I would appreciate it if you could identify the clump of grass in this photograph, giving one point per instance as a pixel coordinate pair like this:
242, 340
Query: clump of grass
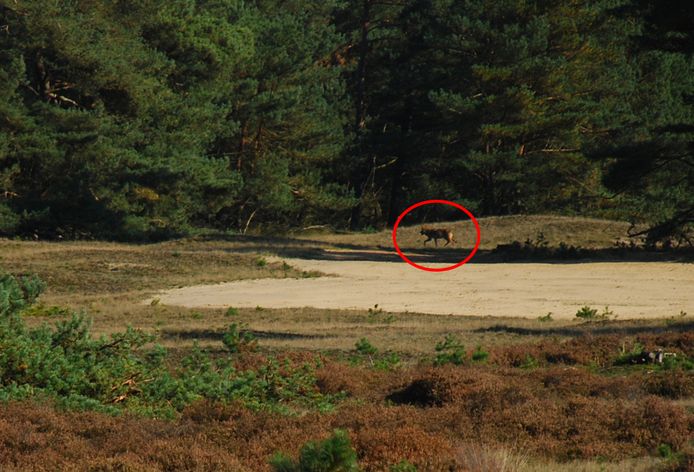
377, 315
231, 311
196, 315
41, 310
545, 318
476, 457
529, 362
261, 262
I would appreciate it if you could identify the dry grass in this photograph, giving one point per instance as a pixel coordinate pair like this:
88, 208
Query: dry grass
77, 272
585, 232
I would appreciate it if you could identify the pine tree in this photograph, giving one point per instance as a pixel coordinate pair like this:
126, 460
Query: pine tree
650, 157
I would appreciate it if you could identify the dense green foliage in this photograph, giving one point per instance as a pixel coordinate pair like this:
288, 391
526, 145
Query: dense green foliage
126, 371
147, 119
335, 454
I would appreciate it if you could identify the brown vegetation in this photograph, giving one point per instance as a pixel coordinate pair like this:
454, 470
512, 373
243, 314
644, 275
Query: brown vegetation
438, 418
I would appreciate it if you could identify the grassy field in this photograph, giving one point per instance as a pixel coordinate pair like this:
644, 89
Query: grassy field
540, 395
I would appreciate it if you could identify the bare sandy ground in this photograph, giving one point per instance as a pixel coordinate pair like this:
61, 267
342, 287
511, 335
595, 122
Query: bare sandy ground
632, 290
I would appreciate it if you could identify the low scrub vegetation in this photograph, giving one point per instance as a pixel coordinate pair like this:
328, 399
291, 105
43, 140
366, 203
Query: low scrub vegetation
127, 372
237, 407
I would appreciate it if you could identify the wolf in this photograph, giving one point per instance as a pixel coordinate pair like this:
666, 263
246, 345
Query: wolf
436, 234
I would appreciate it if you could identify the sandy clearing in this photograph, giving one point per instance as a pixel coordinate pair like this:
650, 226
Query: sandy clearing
631, 289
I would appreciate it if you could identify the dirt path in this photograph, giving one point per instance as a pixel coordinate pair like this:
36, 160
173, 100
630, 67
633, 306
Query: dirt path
630, 289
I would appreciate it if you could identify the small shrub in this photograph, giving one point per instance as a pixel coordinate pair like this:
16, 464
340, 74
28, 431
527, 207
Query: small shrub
450, 351
403, 466
529, 363
237, 338
665, 451
545, 318
363, 346
261, 262
335, 454
587, 313
196, 315
479, 355
388, 362
636, 355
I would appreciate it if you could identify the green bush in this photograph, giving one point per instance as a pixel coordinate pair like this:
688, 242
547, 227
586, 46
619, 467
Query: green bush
403, 466
231, 311
587, 313
363, 346
238, 338
335, 454
111, 374
450, 350
389, 361
480, 355
529, 362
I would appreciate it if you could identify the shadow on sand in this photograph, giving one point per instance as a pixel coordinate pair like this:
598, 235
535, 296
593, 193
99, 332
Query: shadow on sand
217, 335
591, 329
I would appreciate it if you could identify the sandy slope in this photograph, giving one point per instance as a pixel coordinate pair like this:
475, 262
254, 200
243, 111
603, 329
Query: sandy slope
630, 289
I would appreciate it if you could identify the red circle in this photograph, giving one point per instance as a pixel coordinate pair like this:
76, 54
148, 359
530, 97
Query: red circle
443, 202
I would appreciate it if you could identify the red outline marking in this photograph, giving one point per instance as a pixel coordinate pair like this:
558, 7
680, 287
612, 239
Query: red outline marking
443, 202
